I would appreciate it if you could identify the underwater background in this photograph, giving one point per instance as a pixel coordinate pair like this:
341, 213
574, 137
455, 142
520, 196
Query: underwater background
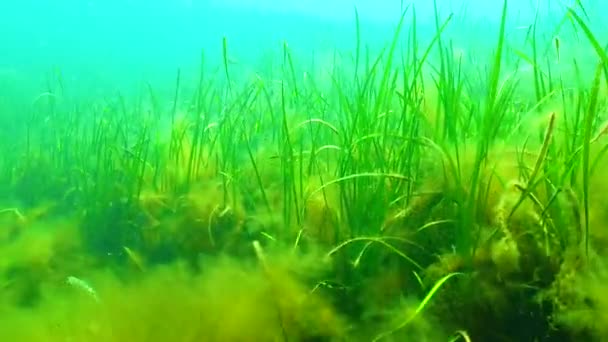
334, 170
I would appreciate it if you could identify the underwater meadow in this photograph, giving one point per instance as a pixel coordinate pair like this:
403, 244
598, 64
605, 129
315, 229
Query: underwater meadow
439, 176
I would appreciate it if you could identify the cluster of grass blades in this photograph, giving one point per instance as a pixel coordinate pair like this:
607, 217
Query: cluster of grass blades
389, 203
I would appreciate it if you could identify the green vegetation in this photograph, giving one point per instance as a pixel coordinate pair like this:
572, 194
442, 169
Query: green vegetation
387, 201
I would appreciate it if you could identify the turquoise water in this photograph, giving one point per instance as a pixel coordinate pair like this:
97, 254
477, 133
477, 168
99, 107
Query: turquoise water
102, 46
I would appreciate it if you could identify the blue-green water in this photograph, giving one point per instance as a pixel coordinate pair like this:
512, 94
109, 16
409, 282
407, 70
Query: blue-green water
100, 47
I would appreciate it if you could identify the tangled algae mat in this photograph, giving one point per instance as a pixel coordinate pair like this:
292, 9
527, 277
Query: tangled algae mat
386, 205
